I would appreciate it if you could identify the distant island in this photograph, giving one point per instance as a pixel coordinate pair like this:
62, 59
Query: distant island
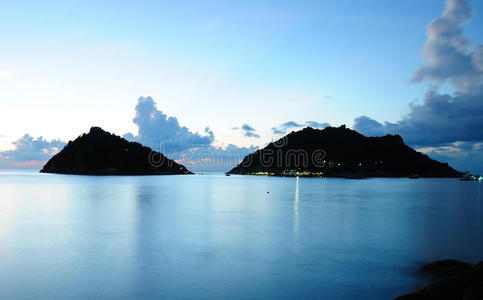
341, 152
102, 153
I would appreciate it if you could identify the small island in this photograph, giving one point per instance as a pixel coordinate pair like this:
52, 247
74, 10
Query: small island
102, 153
341, 152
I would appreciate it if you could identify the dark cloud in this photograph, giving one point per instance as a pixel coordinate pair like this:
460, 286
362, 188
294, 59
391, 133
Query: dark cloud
251, 134
247, 127
285, 127
443, 118
440, 119
369, 127
248, 131
444, 125
157, 130
30, 152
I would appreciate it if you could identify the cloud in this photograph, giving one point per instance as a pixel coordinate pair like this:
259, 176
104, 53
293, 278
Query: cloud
192, 149
465, 156
277, 131
30, 152
442, 118
156, 129
315, 124
291, 124
249, 131
448, 53
247, 127
251, 134
443, 122
368, 126
285, 127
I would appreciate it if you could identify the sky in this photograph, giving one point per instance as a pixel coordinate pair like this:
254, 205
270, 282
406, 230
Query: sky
235, 75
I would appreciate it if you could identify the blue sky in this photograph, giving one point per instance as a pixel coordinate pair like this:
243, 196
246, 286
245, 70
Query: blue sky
68, 65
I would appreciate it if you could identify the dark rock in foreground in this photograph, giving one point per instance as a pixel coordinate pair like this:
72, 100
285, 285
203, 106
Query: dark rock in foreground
446, 268
341, 152
102, 153
460, 281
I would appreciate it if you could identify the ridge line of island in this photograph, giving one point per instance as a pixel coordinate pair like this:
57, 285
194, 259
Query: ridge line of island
342, 153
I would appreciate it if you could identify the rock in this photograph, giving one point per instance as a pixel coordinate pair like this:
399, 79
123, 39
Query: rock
462, 282
446, 268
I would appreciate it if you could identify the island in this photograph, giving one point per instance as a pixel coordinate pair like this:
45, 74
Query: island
341, 152
102, 153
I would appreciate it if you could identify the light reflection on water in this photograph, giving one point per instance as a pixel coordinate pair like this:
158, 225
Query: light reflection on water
133, 237
296, 212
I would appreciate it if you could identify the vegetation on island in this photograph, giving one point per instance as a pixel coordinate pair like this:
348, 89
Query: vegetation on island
102, 153
341, 152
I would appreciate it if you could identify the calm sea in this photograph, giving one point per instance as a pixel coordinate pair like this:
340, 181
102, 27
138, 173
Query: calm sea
237, 237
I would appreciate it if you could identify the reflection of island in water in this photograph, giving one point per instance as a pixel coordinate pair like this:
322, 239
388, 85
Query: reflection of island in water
102, 153
341, 152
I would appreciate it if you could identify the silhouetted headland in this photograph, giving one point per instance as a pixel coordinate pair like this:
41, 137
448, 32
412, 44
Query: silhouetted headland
341, 152
456, 280
102, 153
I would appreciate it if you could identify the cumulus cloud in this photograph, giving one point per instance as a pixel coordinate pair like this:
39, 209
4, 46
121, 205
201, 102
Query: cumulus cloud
443, 123
448, 54
156, 129
30, 152
442, 118
368, 126
285, 127
192, 149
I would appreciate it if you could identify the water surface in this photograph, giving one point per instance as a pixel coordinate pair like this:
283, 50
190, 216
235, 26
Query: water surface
218, 237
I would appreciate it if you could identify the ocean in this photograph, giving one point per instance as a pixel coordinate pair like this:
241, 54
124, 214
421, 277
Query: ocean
229, 237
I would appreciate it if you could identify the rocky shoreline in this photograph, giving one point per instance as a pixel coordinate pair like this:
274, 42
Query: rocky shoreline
453, 280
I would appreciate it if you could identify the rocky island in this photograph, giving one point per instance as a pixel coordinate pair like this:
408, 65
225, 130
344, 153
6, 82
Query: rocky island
102, 153
341, 152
